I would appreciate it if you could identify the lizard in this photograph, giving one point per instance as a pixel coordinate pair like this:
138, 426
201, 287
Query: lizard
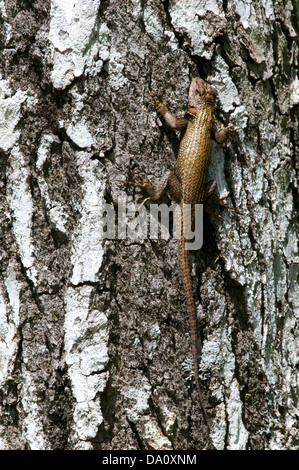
186, 185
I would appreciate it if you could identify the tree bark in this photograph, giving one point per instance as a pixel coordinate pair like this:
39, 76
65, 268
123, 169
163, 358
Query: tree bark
94, 337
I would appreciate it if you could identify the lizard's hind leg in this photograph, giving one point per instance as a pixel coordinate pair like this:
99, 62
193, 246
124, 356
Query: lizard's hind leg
212, 200
168, 184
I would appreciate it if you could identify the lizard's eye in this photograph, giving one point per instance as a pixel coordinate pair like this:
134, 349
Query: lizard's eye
200, 91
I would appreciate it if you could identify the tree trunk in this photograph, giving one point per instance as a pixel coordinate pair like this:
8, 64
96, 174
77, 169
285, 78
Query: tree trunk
95, 346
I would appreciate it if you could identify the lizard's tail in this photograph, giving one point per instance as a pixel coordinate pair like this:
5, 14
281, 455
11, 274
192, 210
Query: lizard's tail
183, 256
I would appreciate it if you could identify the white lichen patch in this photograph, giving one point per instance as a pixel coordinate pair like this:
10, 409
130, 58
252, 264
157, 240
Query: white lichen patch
168, 420
154, 436
226, 89
56, 213
115, 68
260, 49
9, 323
152, 22
137, 400
192, 21
86, 355
21, 207
217, 355
246, 11
10, 114
295, 91
18, 190
77, 38
137, 410
32, 425
237, 433
78, 130
80, 134
243, 9
6, 25
87, 240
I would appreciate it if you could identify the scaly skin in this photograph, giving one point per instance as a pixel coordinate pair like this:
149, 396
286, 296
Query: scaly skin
191, 169
187, 184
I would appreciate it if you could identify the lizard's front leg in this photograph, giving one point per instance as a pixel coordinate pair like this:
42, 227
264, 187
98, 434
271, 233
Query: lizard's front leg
175, 123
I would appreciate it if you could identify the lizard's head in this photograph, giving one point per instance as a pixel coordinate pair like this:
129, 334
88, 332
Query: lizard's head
200, 92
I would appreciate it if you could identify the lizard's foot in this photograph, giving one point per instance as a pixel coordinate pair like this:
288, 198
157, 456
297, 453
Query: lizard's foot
139, 183
160, 107
226, 134
230, 131
168, 185
226, 206
213, 201
223, 198
142, 183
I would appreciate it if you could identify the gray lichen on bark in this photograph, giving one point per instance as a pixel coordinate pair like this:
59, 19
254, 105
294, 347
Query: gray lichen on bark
94, 338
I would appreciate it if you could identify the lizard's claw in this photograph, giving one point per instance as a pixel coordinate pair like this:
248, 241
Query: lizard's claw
226, 134
225, 206
224, 196
145, 185
230, 131
140, 182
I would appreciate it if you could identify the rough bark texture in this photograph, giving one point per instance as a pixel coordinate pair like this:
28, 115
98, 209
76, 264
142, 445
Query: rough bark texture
94, 336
